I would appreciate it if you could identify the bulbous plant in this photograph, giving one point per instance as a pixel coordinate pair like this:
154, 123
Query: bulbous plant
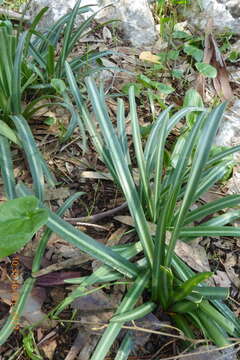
45, 62
29, 64
13, 126
164, 196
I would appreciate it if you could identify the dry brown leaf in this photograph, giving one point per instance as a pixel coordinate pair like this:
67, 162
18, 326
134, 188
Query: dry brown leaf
148, 56
97, 309
221, 279
32, 312
226, 244
193, 254
210, 196
81, 343
56, 194
229, 264
213, 56
96, 175
115, 237
94, 309
49, 348
129, 221
43, 110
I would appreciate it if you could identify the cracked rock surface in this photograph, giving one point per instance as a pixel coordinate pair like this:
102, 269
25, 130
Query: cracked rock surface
136, 19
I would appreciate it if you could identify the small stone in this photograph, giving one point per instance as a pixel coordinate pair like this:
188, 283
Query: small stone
229, 131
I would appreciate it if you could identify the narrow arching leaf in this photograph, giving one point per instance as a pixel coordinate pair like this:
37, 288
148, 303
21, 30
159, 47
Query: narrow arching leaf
16, 79
113, 329
213, 330
199, 161
13, 320
90, 246
32, 153
139, 150
6, 167
222, 154
103, 274
125, 348
122, 170
186, 288
6, 131
121, 126
136, 313
183, 307
224, 219
202, 230
213, 207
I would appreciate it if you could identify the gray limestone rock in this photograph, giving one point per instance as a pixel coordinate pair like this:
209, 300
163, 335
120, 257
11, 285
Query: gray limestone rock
224, 13
229, 131
212, 353
136, 19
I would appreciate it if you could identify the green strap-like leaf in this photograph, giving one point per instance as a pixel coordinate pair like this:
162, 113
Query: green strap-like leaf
122, 170
15, 316
196, 231
199, 162
214, 331
136, 313
144, 183
113, 329
32, 153
125, 348
16, 79
212, 207
186, 288
6, 167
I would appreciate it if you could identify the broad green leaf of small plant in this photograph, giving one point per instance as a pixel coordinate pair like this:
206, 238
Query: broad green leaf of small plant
193, 51
206, 69
58, 85
178, 74
161, 87
164, 89
181, 35
20, 219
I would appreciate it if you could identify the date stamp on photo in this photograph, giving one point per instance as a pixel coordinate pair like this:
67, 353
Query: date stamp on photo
15, 274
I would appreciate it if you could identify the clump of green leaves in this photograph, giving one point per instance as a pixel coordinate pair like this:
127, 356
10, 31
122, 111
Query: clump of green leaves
163, 196
29, 65
166, 13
